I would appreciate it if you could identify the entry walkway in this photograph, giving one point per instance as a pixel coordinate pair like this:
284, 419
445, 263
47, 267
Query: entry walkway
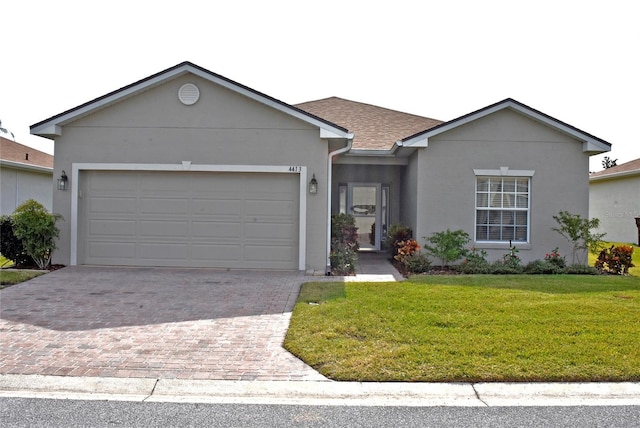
374, 267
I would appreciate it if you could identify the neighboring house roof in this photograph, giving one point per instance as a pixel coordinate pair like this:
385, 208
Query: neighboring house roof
20, 156
623, 170
50, 128
591, 144
374, 128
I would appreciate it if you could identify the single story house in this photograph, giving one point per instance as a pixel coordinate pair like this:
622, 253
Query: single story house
25, 173
614, 198
189, 168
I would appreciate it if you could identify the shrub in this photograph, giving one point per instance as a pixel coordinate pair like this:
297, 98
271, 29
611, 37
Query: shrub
581, 270
542, 267
343, 258
344, 244
499, 267
11, 246
416, 263
556, 259
511, 259
474, 262
578, 231
36, 227
397, 232
448, 246
405, 249
615, 260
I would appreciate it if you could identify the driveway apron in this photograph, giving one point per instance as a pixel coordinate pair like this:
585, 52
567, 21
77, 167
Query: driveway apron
152, 323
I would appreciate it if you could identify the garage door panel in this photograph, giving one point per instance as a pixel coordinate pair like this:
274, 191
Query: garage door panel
101, 204
97, 251
112, 227
226, 252
269, 208
176, 205
163, 250
216, 229
222, 206
162, 184
270, 253
190, 219
273, 232
153, 229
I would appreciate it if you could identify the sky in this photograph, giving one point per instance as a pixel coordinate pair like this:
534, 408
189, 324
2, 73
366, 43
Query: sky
578, 61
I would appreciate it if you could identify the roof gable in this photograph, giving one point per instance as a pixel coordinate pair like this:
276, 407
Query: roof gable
374, 128
52, 127
591, 144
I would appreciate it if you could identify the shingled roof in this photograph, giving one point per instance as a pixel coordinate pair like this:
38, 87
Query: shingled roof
19, 153
375, 128
627, 168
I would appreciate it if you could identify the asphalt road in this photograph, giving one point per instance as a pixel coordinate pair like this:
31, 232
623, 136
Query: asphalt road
28, 412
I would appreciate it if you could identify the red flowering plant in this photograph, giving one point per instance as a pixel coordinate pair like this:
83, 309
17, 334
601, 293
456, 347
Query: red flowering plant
555, 258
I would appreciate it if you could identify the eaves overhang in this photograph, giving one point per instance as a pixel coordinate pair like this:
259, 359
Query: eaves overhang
26, 166
52, 127
615, 175
590, 144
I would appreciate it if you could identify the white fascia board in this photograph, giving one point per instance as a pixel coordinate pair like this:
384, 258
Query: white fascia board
594, 147
615, 175
27, 167
188, 166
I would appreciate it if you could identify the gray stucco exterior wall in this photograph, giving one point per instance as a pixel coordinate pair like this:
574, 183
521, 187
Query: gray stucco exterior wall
446, 179
222, 128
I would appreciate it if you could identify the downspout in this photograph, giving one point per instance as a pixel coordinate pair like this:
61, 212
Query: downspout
329, 191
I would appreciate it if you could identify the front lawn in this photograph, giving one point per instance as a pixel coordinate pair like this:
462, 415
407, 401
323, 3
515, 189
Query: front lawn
11, 277
471, 328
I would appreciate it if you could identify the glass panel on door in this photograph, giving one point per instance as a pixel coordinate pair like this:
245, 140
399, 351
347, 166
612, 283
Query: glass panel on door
363, 205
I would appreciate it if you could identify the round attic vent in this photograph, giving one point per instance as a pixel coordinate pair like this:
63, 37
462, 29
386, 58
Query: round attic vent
188, 94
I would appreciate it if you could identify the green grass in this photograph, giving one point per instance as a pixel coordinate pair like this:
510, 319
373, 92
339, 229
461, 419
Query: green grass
472, 328
12, 277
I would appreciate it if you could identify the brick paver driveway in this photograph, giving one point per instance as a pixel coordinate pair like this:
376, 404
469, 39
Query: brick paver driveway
152, 323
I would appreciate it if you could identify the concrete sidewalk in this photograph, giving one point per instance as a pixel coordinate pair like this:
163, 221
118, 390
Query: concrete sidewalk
321, 392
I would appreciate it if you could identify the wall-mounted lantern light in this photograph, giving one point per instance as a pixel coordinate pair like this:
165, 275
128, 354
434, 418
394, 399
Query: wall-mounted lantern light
313, 185
63, 181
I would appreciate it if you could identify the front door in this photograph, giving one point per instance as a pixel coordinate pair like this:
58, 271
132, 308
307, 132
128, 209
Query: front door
364, 202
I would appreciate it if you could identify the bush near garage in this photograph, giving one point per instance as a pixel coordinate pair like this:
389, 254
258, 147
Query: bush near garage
11, 246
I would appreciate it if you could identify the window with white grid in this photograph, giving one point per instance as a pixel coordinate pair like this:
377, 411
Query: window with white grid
502, 209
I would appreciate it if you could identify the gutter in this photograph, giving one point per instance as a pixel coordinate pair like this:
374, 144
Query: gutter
329, 180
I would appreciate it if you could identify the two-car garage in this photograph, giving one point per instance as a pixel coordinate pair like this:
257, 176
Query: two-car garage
188, 219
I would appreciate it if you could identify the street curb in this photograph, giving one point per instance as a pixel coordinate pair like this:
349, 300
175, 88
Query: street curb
322, 392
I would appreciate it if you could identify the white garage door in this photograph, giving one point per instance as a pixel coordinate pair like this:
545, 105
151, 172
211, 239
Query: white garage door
189, 219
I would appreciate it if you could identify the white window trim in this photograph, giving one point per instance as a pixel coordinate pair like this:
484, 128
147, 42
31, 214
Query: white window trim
188, 166
503, 171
